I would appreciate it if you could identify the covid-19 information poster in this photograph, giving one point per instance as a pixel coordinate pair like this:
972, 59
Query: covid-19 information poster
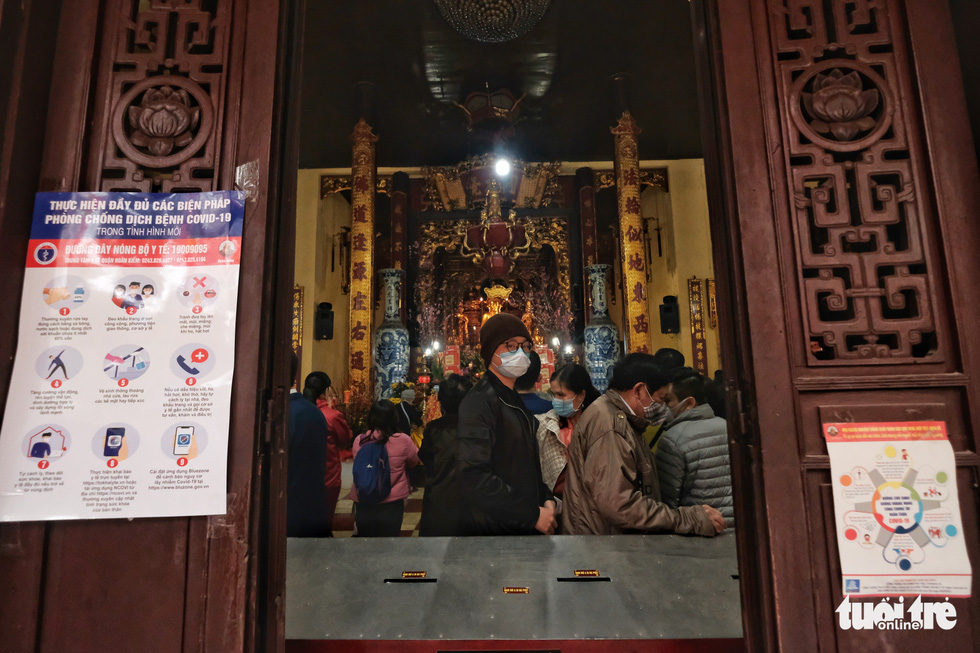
899, 529
120, 395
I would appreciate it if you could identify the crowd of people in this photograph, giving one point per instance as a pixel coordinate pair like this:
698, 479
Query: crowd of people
650, 455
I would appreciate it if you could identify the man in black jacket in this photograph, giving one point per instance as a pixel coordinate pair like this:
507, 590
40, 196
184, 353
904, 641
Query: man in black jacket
440, 503
497, 463
306, 491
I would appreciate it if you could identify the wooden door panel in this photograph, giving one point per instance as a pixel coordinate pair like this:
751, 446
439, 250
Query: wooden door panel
188, 584
858, 240
92, 567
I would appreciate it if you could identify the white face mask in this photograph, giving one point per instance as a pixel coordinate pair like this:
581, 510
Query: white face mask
675, 411
513, 364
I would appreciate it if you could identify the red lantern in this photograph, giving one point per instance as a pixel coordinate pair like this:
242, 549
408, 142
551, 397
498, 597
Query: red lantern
495, 242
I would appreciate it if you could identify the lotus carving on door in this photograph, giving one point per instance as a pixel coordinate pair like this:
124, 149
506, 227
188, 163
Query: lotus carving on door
164, 119
840, 106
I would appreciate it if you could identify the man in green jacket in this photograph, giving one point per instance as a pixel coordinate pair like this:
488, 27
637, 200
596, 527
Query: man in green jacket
612, 484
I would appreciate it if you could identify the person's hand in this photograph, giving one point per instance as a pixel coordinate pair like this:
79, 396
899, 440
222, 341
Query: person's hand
123, 451
716, 518
53, 295
546, 518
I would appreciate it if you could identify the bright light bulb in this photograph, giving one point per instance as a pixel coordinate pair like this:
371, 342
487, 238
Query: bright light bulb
436, 345
555, 341
428, 352
502, 167
568, 349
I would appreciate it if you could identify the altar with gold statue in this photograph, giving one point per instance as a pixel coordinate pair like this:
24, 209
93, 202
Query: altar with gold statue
469, 271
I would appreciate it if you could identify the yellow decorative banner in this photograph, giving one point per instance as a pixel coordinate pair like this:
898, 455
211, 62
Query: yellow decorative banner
362, 254
631, 235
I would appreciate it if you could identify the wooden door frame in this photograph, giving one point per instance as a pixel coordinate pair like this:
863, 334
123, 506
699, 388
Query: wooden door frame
759, 626
752, 532
795, 562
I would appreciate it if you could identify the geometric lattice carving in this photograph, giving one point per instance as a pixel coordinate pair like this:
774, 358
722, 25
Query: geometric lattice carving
858, 223
165, 94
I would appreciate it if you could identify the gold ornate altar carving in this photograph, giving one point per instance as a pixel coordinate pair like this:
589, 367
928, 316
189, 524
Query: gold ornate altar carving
448, 236
496, 241
463, 186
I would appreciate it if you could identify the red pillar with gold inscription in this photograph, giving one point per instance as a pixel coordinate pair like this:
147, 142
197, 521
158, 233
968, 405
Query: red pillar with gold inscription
363, 174
637, 327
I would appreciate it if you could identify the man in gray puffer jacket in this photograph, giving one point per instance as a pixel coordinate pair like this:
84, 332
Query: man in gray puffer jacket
692, 457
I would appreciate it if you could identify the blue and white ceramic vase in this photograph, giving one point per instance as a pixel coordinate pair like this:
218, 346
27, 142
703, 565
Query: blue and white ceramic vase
391, 350
601, 334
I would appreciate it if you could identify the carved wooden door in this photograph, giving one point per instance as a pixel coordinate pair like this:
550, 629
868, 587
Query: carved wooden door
850, 227
151, 96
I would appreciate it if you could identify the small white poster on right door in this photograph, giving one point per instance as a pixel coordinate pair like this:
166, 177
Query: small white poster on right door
899, 529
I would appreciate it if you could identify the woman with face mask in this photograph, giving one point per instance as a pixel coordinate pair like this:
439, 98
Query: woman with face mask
572, 392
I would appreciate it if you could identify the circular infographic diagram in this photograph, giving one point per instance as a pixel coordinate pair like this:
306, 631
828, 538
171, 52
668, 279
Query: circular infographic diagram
899, 506
115, 443
65, 293
192, 362
134, 293
126, 363
58, 365
184, 441
199, 291
46, 444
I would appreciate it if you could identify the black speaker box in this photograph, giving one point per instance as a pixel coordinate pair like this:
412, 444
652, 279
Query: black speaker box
670, 315
323, 322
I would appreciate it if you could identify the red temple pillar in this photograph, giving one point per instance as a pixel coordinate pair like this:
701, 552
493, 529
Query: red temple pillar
633, 257
363, 174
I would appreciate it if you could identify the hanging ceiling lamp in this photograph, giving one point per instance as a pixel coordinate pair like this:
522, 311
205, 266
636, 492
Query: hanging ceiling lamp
492, 21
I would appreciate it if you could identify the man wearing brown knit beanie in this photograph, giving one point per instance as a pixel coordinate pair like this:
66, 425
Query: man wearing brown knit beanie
497, 462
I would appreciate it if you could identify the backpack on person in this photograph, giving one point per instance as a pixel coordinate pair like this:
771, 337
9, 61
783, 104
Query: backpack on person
372, 472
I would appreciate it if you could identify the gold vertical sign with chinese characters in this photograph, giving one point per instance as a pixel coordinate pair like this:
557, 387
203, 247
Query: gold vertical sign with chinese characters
297, 329
631, 235
699, 345
362, 254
